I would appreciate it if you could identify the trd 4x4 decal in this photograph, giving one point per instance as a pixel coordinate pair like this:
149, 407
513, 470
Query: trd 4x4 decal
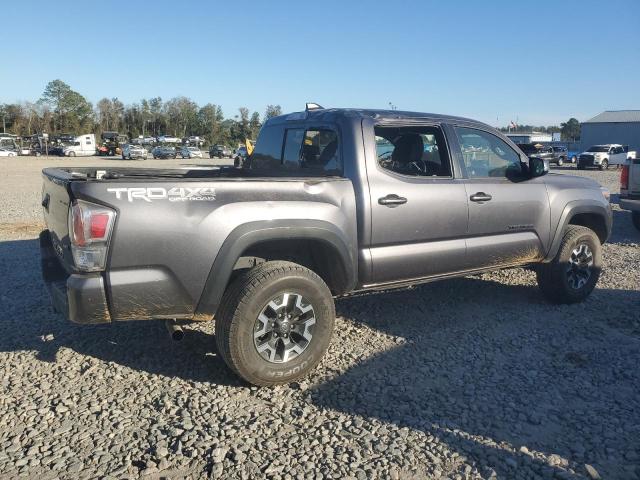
175, 194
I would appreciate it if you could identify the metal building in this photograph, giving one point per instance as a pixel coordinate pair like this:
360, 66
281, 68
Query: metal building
612, 126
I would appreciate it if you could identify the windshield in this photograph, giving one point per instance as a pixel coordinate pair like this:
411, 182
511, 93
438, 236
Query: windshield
598, 148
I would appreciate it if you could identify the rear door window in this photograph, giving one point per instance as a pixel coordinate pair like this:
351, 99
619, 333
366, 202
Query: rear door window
312, 151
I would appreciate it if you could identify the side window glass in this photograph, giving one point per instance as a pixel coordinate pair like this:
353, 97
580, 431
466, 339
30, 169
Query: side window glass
268, 148
320, 150
292, 148
414, 151
485, 155
312, 150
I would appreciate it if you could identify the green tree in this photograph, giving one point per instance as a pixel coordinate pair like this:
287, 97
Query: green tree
210, 120
254, 125
182, 116
272, 111
240, 129
71, 111
570, 130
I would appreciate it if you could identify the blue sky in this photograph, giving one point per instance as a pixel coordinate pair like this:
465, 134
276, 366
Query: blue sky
540, 62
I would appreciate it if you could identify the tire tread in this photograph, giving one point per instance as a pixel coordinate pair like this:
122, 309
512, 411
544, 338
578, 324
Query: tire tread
237, 295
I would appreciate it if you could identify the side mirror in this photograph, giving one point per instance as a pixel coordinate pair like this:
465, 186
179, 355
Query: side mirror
538, 167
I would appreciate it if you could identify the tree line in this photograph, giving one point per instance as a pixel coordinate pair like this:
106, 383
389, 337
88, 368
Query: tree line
60, 110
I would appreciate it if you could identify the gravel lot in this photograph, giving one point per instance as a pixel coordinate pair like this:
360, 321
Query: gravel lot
469, 378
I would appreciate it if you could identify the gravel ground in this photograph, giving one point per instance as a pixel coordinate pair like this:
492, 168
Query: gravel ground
469, 378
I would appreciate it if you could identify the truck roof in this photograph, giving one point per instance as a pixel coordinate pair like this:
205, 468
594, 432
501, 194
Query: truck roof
332, 114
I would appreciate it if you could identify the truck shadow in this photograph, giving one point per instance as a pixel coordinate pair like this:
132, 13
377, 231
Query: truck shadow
623, 230
473, 362
479, 368
30, 323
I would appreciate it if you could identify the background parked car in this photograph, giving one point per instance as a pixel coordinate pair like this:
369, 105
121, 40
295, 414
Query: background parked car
7, 153
220, 151
602, 156
189, 152
560, 155
536, 150
572, 155
130, 152
163, 152
240, 156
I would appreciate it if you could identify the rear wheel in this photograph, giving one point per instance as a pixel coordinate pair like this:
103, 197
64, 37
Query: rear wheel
635, 218
275, 323
72, 154
574, 159
572, 275
560, 162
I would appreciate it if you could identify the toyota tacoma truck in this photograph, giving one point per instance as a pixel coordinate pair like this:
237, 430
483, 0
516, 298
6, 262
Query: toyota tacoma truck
331, 203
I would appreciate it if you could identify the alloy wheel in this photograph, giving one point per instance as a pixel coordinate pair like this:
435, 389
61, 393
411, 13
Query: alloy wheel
579, 267
284, 328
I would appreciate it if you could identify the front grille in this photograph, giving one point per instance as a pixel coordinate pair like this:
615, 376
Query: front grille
586, 159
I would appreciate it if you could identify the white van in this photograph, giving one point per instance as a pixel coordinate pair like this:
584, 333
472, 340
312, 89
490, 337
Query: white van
82, 146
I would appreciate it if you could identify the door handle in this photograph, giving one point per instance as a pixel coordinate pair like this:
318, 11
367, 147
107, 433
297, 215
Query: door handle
392, 200
480, 197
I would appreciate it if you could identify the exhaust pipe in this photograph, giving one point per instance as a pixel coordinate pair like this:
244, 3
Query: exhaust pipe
175, 331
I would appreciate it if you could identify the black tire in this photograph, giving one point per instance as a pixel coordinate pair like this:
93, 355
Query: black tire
574, 159
560, 162
72, 154
604, 165
635, 219
554, 277
236, 162
123, 157
248, 297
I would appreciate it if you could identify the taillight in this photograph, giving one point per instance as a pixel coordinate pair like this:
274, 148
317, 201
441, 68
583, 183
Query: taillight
90, 228
624, 178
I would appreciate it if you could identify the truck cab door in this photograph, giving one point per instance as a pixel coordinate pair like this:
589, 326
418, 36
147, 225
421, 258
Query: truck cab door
418, 206
509, 216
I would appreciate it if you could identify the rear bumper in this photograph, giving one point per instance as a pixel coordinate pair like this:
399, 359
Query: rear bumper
632, 204
79, 297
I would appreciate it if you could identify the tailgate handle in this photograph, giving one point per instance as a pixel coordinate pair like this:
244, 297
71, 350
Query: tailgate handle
45, 202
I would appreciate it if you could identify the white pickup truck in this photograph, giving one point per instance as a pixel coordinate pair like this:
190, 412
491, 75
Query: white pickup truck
602, 156
630, 189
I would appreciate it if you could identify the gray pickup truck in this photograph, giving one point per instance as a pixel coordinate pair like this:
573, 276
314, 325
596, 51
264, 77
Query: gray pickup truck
331, 203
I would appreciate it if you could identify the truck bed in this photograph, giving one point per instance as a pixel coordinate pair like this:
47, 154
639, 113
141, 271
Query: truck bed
171, 225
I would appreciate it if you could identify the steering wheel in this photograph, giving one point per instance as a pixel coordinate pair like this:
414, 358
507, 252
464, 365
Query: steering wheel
422, 170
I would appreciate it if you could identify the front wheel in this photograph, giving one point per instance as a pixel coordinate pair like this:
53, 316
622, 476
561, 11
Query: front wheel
574, 159
560, 162
572, 275
275, 323
604, 165
635, 218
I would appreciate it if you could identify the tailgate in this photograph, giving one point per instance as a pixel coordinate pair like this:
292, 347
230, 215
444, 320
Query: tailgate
56, 198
